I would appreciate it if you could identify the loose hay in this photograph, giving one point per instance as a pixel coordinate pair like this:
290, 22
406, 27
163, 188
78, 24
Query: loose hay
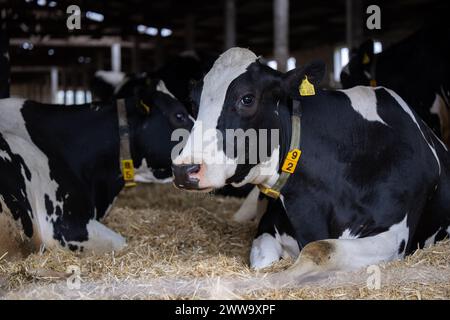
185, 246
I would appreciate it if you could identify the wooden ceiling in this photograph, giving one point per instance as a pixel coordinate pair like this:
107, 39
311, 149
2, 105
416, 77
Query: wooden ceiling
312, 23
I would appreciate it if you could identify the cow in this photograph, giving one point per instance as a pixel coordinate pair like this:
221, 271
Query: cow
179, 74
361, 177
62, 167
417, 68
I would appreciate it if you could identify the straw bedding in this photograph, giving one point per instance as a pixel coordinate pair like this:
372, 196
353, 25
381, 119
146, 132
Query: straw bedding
184, 245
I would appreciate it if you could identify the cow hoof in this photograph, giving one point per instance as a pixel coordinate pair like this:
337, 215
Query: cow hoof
265, 251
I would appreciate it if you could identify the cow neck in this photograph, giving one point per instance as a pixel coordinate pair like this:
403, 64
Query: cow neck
126, 161
289, 148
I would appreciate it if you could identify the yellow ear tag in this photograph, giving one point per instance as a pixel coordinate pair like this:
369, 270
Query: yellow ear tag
373, 82
128, 172
366, 59
306, 88
290, 163
146, 107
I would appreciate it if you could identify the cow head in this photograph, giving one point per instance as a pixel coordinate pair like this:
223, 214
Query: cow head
235, 139
358, 72
157, 115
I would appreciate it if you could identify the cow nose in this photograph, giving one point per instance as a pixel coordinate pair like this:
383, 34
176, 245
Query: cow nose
183, 175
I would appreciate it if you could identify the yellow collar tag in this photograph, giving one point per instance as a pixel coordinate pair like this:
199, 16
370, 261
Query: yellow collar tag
269, 192
290, 163
306, 88
128, 173
373, 82
366, 59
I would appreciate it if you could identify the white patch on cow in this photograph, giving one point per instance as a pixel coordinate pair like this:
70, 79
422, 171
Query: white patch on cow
5, 156
101, 239
430, 241
352, 254
364, 101
265, 173
217, 166
251, 208
161, 87
267, 249
439, 108
347, 234
406, 108
448, 230
145, 174
114, 78
289, 245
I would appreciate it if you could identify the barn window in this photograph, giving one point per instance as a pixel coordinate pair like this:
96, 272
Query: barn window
342, 56
291, 63
74, 97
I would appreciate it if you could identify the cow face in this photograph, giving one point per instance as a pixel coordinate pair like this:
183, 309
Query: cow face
158, 115
358, 72
235, 139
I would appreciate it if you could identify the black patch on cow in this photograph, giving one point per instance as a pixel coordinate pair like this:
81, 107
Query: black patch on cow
401, 248
49, 205
13, 187
73, 247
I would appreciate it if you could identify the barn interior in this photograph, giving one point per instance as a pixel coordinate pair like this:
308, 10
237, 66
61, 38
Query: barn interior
49, 59
53, 60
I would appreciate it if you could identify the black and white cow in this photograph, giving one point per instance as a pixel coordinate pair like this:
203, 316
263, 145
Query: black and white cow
60, 165
417, 68
372, 183
179, 74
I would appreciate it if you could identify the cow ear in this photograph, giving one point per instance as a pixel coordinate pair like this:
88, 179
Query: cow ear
365, 52
304, 80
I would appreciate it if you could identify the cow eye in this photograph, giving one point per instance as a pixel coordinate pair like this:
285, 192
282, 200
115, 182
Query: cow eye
180, 116
247, 99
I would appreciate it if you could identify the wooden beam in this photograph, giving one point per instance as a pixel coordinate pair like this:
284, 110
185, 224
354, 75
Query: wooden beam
230, 24
281, 33
81, 41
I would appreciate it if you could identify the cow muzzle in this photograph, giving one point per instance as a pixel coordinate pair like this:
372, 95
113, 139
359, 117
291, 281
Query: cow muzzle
186, 176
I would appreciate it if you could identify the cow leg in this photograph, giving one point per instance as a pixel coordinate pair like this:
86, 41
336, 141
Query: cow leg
79, 236
321, 257
102, 239
252, 207
275, 238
